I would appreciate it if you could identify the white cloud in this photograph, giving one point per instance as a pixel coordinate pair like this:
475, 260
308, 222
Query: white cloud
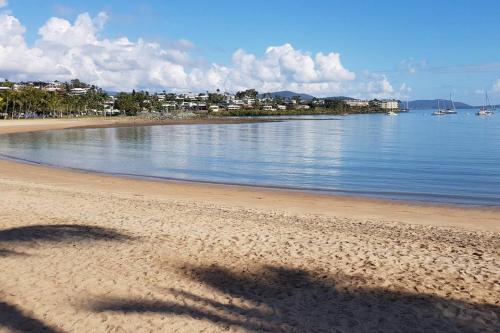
412, 66
66, 50
375, 85
496, 86
3, 3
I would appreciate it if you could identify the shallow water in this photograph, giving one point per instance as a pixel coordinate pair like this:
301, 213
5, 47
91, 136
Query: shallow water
414, 156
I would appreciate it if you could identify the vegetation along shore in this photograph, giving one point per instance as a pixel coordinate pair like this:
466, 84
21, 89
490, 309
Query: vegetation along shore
24, 100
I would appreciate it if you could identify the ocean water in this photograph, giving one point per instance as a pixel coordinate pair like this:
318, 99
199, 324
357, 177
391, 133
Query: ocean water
415, 156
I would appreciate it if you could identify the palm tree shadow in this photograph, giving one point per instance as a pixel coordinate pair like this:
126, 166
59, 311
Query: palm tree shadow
6, 253
59, 233
294, 300
13, 319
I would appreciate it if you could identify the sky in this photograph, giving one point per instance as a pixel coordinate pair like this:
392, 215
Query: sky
413, 49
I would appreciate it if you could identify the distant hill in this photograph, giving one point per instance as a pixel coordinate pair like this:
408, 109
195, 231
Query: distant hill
286, 94
427, 104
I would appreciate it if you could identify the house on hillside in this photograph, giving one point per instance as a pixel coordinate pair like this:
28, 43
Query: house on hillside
78, 91
53, 87
233, 107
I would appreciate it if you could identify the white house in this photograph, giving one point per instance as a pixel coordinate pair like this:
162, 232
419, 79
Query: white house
213, 108
78, 91
249, 101
281, 107
267, 108
233, 107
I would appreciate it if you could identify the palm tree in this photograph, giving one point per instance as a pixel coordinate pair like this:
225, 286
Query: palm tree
54, 102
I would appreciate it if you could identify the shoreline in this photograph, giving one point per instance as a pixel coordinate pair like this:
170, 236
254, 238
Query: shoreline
11, 126
373, 196
474, 217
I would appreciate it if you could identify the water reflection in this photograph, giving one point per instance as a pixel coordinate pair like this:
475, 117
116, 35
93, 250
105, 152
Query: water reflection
413, 156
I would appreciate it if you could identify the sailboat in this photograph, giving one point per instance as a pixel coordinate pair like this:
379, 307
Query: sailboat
451, 110
405, 109
486, 109
439, 112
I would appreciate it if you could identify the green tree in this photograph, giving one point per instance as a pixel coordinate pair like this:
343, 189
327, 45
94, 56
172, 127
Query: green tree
127, 103
249, 93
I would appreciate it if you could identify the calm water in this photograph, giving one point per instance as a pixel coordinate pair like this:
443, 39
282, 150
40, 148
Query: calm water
415, 156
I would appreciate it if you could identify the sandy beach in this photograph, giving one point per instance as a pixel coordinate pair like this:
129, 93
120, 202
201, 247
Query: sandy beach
83, 252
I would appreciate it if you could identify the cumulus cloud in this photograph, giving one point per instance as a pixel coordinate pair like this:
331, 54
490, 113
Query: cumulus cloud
375, 85
496, 86
66, 50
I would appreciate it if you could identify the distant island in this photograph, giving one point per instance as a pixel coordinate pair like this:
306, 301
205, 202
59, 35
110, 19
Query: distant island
432, 104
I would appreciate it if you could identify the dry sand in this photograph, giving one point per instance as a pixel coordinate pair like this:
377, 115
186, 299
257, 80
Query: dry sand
84, 252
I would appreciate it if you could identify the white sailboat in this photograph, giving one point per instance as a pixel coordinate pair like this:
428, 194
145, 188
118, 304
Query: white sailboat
486, 109
451, 110
405, 109
439, 112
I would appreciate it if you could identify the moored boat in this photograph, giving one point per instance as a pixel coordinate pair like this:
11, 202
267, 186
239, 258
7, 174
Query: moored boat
439, 112
486, 109
451, 110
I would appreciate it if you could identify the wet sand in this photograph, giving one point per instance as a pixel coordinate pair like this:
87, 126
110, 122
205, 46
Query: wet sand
82, 252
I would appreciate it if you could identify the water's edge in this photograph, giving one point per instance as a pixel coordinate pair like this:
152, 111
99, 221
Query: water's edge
328, 192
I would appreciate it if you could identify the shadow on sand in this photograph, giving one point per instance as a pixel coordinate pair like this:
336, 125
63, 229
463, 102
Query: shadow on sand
59, 233
293, 300
11, 317
14, 320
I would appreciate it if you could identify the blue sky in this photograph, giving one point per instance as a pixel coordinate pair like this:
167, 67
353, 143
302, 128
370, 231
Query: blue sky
432, 47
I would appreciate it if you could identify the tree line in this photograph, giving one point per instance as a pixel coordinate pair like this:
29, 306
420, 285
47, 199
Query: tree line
33, 101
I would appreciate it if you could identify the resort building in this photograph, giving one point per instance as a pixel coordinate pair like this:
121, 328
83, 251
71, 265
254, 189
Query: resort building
389, 104
267, 108
213, 108
356, 103
233, 107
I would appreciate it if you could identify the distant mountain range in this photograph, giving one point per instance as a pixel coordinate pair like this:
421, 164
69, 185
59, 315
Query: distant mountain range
417, 104
427, 104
